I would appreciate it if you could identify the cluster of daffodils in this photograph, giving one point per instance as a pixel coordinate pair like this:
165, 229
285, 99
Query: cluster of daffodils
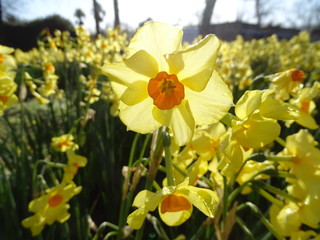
167, 88
240, 61
7, 74
52, 205
303, 162
162, 84
61, 48
215, 135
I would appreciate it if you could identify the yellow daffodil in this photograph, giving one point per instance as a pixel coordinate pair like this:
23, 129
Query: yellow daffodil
161, 84
249, 170
305, 156
175, 204
308, 194
7, 62
305, 105
63, 143
50, 207
74, 162
287, 83
7, 96
206, 140
285, 220
255, 127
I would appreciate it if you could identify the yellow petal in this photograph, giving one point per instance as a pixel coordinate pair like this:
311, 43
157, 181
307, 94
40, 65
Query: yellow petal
139, 117
136, 218
258, 132
276, 109
307, 121
204, 199
211, 104
121, 76
248, 103
135, 93
194, 65
179, 119
158, 39
35, 223
175, 218
142, 197
143, 63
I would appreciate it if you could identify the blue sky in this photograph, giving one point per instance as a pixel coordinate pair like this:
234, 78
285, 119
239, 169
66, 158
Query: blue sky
132, 12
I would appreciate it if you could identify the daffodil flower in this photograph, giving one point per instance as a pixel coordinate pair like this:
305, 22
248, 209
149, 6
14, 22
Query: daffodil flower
74, 162
7, 96
161, 84
305, 105
63, 143
287, 83
175, 204
50, 207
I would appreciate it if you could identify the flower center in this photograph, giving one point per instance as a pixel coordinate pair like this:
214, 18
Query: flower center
297, 75
1, 58
65, 143
165, 90
174, 203
305, 106
55, 200
49, 68
4, 99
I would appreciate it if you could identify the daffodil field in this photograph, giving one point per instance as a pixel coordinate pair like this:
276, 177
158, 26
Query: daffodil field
154, 138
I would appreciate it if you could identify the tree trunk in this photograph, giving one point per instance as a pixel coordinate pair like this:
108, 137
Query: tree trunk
96, 16
258, 12
206, 17
116, 14
1, 12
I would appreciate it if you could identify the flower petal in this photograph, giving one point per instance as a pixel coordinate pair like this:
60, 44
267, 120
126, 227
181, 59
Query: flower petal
257, 131
136, 218
175, 218
121, 76
204, 199
248, 103
142, 197
139, 117
195, 64
143, 63
276, 109
135, 93
211, 104
307, 121
179, 119
157, 39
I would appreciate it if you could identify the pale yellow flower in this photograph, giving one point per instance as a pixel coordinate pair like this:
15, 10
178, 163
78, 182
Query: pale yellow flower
161, 84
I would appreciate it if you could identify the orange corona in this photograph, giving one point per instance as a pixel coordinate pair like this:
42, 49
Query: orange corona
166, 90
55, 200
175, 203
297, 75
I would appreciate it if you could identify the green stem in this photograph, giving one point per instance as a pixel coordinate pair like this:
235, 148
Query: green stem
280, 158
281, 142
269, 197
262, 218
102, 227
168, 158
126, 202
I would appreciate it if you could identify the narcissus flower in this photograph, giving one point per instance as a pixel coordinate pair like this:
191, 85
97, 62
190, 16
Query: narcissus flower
175, 204
287, 83
63, 143
161, 84
50, 207
305, 104
74, 162
7, 96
